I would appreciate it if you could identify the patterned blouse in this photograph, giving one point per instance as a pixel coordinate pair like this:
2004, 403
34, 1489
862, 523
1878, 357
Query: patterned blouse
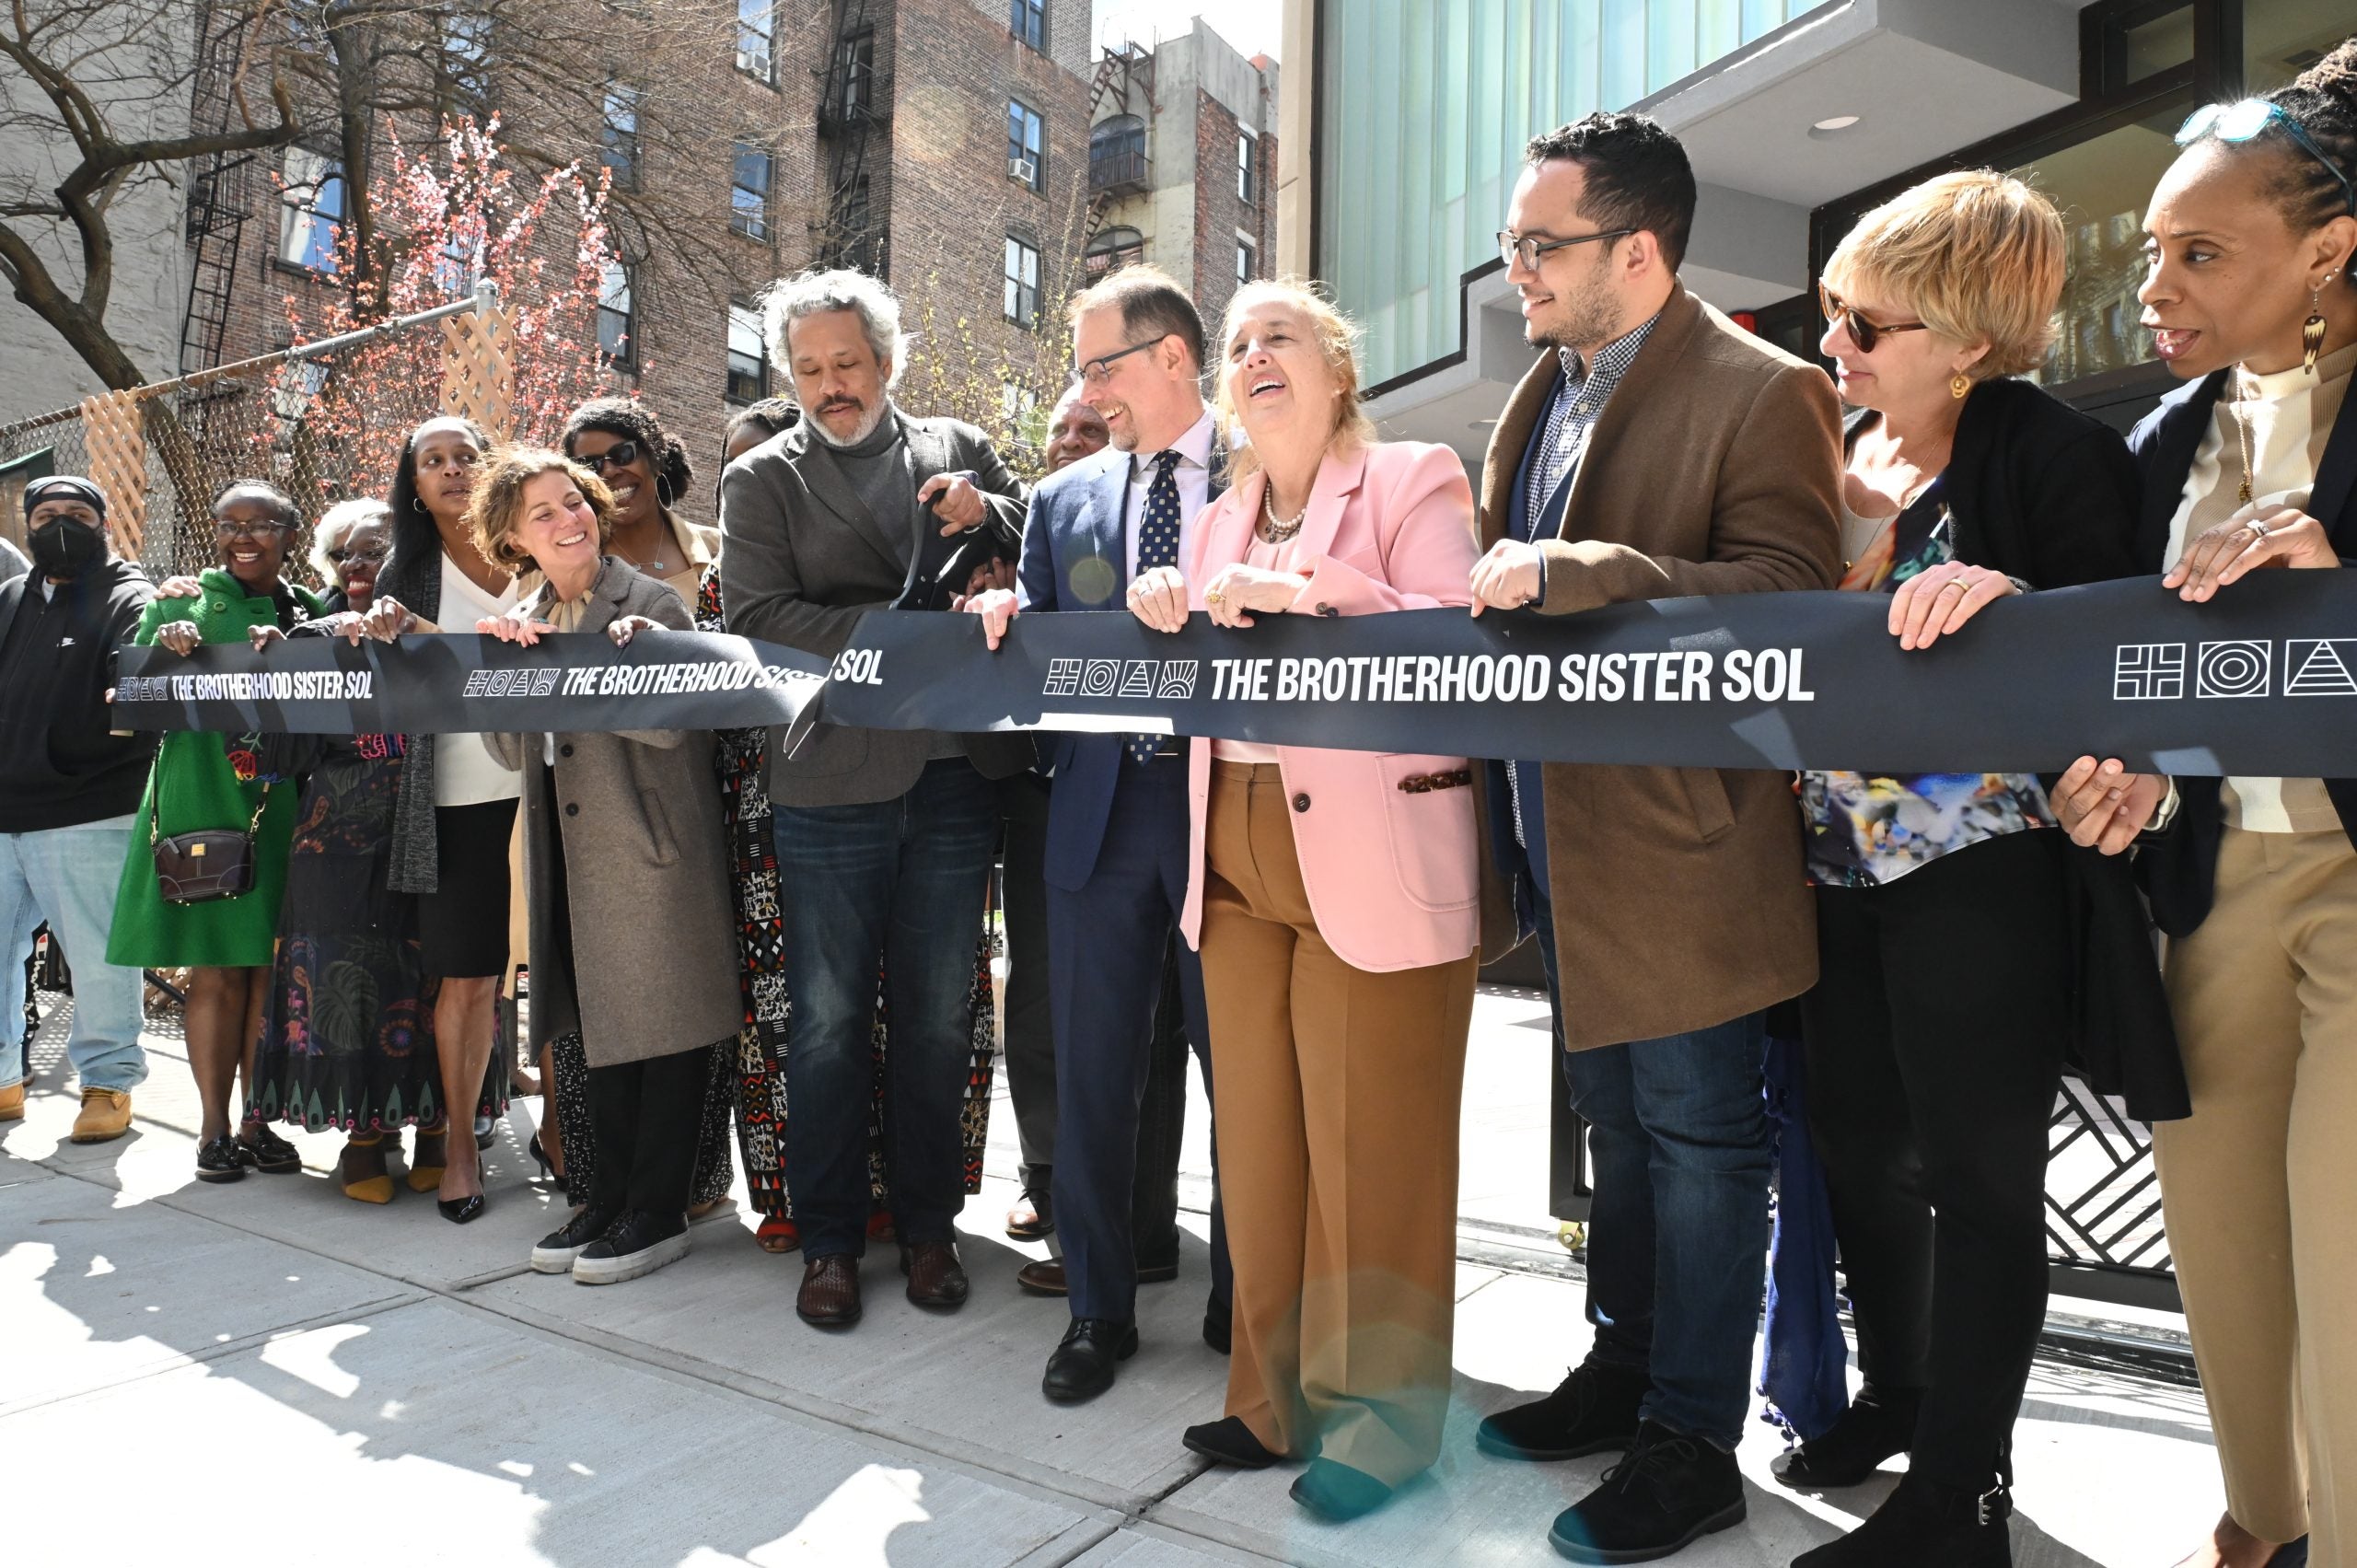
1866, 830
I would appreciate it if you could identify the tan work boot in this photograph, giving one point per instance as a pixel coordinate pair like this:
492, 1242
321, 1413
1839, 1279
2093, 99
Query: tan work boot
106, 1113
12, 1103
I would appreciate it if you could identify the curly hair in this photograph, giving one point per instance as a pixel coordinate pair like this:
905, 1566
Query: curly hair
627, 419
2323, 98
494, 512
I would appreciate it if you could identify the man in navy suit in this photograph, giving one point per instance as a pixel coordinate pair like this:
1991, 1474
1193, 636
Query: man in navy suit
1117, 853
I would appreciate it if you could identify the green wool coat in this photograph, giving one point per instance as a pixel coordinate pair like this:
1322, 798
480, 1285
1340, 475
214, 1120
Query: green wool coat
194, 784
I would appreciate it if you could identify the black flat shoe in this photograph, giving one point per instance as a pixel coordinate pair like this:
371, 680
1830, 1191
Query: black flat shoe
1082, 1366
267, 1151
1591, 1410
558, 1247
1338, 1493
461, 1211
1228, 1441
1925, 1525
1669, 1493
223, 1160
1876, 1428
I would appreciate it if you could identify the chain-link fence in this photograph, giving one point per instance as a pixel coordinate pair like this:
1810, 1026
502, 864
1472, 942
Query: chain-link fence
163, 452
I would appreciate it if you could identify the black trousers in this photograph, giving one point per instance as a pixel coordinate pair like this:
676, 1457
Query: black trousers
645, 1116
1935, 1040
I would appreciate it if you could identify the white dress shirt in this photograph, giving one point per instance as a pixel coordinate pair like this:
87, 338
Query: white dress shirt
1194, 479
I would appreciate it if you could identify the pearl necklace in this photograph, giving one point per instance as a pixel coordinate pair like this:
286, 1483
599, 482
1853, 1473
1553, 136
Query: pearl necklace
1274, 529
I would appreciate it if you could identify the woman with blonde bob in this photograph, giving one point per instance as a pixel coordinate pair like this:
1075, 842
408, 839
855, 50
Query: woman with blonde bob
1956, 928
634, 941
1335, 899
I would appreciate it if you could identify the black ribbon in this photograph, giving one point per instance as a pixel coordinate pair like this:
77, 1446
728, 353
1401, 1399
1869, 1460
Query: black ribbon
2261, 680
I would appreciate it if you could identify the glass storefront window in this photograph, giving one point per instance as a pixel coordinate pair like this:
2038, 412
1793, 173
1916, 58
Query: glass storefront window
2101, 187
2150, 47
2283, 37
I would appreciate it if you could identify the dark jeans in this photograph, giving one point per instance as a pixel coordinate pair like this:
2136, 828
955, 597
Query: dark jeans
899, 883
1677, 1232
1029, 1059
646, 1117
1935, 1038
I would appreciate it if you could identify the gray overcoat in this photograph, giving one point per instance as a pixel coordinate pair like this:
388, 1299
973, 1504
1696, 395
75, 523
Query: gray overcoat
653, 934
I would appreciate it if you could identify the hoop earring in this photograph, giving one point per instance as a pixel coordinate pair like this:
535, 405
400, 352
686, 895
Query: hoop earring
419, 507
2312, 329
1959, 386
663, 492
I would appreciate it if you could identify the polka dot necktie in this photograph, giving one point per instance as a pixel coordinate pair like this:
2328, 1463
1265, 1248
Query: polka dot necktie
1157, 546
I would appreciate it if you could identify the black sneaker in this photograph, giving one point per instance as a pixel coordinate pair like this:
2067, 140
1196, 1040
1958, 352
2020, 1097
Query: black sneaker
223, 1160
1669, 1494
267, 1151
1592, 1409
1878, 1425
1926, 1524
558, 1247
637, 1243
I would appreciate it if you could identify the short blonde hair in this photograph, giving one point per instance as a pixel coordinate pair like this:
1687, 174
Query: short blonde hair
336, 524
1975, 255
495, 510
1337, 339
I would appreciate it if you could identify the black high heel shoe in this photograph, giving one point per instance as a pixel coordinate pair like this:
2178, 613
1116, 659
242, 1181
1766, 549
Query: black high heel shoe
459, 1211
539, 1157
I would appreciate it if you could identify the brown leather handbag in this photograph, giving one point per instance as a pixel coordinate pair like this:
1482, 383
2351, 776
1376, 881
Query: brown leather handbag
213, 863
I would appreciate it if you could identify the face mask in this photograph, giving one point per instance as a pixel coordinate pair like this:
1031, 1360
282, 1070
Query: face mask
62, 548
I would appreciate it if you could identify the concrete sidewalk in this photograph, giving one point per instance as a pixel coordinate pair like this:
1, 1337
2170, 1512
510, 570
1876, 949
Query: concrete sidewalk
266, 1372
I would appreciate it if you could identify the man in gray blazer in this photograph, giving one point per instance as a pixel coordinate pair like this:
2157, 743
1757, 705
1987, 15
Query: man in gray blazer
884, 837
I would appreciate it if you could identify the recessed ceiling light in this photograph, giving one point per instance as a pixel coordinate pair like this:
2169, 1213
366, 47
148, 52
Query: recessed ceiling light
1832, 124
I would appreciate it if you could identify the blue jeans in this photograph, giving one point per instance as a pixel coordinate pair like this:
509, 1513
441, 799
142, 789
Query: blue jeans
1678, 1231
902, 882
68, 876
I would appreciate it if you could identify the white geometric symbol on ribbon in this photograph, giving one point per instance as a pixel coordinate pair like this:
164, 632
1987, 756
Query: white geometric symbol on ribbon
2143, 672
2320, 666
2237, 667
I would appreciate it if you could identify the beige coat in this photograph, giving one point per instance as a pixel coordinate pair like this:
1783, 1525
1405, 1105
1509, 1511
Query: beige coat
653, 934
1715, 468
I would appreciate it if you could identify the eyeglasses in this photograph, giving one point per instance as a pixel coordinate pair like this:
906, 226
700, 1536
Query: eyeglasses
620, 455
224, 529
364, 557
1094, 372
1529, 248
2241, 122
1863, 332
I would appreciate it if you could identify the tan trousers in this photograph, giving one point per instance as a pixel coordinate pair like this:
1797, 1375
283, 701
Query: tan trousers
1339, 1094
2259, 1185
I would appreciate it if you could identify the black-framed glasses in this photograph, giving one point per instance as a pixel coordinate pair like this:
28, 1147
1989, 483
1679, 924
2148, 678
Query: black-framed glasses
620, 455
1863, 332
2243, 121
1529, 247
224, 527
1093, 372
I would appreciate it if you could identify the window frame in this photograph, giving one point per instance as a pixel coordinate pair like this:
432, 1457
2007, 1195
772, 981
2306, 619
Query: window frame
1023, 121
751, 220
1034, 13
744, 312
1248, 167
626, 356
1022, 253
619, 145
294, 208
761, 25
1248, 262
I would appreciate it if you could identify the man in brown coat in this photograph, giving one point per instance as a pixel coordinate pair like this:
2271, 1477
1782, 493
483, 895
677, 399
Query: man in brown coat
1654, 450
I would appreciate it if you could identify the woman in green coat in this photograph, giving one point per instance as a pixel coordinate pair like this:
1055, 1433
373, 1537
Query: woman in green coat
204, 780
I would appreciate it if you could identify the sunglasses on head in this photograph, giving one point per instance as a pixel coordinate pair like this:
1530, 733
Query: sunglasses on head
620, 455
1863, 332
2239, 123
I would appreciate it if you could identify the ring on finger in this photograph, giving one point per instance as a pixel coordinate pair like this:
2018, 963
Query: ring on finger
2257, 528
1212, 596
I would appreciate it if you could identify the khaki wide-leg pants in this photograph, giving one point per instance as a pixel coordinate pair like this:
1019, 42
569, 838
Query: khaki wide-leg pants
1339, 1096
2259, 1185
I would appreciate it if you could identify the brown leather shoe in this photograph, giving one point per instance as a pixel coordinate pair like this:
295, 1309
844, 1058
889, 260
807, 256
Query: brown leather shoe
1046, 1276
829, 1295
12, 1103
106, 1114
935, 1277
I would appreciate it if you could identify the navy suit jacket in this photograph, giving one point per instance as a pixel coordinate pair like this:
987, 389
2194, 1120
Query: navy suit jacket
1524, 865
2179, 869
1075, 556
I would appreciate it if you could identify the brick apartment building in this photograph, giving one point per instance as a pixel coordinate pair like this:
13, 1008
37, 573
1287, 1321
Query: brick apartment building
977, 154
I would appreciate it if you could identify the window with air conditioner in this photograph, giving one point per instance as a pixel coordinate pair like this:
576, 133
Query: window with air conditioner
1027, 145
757, 38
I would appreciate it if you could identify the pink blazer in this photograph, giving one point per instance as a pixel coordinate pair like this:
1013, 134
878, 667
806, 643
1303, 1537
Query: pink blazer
1392, 876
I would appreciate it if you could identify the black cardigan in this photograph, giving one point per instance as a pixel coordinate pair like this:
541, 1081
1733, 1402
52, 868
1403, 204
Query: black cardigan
2179, 867
2043, 492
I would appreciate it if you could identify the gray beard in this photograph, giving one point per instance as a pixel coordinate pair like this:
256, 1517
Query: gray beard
874, 417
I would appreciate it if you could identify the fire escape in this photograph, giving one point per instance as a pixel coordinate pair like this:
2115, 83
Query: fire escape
1118, 167
219, 191
854, 103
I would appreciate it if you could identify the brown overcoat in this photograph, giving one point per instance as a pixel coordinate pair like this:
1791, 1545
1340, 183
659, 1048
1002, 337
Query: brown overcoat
1715, 468
653, 933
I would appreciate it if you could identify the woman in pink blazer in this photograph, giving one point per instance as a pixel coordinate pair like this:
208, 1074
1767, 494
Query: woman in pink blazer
1335, 899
